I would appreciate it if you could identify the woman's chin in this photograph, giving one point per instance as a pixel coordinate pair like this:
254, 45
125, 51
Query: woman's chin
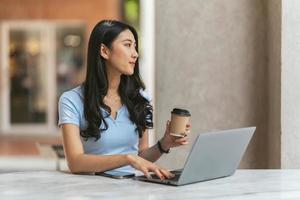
128, 72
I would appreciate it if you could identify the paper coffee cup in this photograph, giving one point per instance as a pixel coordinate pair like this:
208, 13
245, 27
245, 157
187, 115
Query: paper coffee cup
179, 120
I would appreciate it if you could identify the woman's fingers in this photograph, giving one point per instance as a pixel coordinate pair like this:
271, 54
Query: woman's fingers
146, 172
163, 173
145, 167
168, 126
166, 173
159, 174
182, 141
188, 128
168, 123
179, 140
154, 168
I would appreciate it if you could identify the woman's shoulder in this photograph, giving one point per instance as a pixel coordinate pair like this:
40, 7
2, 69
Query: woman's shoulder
70, 107
146, 95
74, 94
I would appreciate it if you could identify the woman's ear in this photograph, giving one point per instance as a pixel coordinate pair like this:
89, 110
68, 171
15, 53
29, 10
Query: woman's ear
104, 51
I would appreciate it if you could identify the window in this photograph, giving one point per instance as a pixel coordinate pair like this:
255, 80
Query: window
39, 60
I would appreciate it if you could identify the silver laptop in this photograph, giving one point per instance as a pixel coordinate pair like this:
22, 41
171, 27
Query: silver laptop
213, 155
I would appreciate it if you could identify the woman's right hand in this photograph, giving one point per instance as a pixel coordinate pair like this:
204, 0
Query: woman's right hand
145, 166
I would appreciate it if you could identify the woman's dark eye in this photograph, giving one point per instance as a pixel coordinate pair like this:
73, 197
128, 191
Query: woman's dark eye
128, 45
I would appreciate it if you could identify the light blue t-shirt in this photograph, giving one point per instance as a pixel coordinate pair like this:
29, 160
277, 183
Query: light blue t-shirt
120, 137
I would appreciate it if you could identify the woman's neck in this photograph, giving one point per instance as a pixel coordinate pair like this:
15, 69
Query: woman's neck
114, 78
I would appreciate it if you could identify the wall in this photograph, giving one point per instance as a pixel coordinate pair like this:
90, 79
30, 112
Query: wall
274, 82
211, 59
90, 11
290, 87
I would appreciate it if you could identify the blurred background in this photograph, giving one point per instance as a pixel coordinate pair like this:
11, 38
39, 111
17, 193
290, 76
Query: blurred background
232, 63
43, 53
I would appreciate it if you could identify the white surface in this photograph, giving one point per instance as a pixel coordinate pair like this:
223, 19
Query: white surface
290, 108
147, 54
244, 184
31, 163
24, 163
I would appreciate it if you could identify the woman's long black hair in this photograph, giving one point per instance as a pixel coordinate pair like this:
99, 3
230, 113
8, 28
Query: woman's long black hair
96, 84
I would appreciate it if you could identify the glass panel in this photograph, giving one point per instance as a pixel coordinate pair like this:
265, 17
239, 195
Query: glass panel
70, 43
69, 54
131, 15
28, 101
131, 12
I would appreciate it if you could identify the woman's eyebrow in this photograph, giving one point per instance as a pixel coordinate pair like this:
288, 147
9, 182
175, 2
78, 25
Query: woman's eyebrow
129, 40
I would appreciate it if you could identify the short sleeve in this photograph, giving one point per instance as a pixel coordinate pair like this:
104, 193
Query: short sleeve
67, 111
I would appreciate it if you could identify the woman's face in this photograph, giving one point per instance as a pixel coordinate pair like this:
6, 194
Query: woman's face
123, 55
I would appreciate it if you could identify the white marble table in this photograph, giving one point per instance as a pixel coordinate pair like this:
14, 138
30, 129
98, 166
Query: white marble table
244, 184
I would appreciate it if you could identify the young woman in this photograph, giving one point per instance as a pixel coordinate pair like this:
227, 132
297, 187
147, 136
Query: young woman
105, 120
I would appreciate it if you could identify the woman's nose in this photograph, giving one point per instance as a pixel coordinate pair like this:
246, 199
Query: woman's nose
135, 54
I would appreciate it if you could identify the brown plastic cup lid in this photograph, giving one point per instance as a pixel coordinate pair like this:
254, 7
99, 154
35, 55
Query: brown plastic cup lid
182, 112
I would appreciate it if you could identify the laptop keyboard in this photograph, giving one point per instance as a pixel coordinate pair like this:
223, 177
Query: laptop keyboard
175, 178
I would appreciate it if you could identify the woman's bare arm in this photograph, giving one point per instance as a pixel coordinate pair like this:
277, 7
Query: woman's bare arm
152, 154
79, 162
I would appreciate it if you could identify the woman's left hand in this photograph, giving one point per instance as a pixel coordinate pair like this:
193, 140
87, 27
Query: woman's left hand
168, 141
